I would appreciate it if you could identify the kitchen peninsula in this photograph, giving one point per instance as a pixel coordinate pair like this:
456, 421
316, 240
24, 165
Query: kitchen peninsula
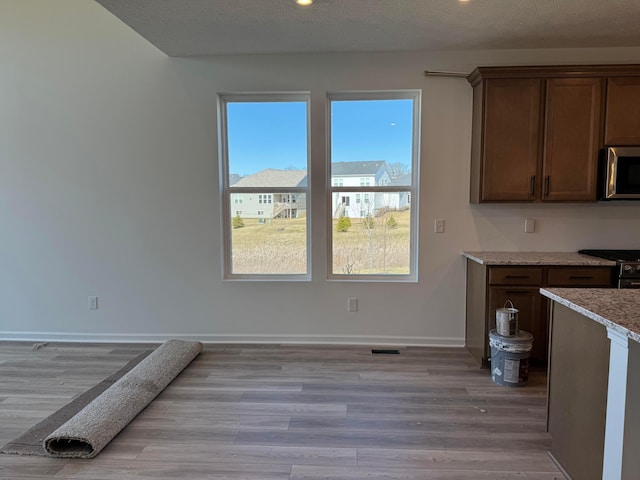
594, 386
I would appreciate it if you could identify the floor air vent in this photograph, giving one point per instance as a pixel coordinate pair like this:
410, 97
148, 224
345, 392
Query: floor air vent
383, 351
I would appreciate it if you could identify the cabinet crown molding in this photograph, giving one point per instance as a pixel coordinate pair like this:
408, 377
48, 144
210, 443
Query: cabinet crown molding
556, 71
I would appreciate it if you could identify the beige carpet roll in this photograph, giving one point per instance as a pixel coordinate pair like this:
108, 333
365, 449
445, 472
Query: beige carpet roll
93, 427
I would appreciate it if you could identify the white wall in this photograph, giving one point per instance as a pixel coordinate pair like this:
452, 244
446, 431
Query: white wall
108, 187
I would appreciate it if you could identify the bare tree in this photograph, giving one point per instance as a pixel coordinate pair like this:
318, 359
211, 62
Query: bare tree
368, 230
398, 169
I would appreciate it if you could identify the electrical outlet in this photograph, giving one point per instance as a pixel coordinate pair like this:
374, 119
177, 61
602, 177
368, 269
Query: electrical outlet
529, 225
352, 304
438, 225
93, 303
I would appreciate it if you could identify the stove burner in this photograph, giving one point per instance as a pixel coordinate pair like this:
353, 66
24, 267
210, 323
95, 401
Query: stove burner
617, 255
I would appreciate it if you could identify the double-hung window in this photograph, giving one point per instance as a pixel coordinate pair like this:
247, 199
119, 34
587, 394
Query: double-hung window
264, 163
374, 148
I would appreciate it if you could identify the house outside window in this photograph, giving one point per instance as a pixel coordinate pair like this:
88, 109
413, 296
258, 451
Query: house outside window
264, 158
384, 246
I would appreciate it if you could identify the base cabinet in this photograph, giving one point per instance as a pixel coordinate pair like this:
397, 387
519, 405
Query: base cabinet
490, 286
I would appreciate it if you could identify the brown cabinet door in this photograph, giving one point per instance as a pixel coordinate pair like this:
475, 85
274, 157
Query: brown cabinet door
572, 139
622, 119
531, 316
511, 140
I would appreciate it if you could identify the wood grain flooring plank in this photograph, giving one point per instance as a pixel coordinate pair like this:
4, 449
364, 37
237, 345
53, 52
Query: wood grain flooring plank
124, 449
201, 397
456, 459
399, 400
344, 439
212, 420
16, 466
530, 442
176, 434
472, 410
216, 385
252, 454
302, 472
101, 469
384, 389
543, 476
250, 375
251, 408
440, 424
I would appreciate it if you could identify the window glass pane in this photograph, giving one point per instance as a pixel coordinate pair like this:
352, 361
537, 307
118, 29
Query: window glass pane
372, 149
269, 235
265, 154
371, 233
371, 141
267, 144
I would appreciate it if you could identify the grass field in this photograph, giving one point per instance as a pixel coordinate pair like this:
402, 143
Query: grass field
280, 246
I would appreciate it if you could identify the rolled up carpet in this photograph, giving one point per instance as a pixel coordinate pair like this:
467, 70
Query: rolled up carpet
93, 427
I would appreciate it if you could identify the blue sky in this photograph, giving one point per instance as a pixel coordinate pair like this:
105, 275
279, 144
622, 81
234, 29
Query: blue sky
273, 134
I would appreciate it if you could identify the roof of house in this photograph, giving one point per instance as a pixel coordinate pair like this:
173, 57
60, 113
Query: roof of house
272, 177
356, 168
234, 178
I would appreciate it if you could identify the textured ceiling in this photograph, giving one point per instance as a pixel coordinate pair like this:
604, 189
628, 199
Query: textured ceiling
222, 27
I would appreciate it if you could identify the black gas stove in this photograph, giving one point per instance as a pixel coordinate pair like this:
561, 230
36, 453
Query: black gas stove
628, 265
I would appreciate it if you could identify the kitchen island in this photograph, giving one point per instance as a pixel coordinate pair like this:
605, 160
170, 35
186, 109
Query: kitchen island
594, 386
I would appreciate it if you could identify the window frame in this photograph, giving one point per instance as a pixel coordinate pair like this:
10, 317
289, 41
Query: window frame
412, 190
227, 190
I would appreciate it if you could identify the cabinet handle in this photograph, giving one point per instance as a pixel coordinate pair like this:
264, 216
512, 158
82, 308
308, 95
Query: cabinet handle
579, 277
532, 186
547, 185
516, 276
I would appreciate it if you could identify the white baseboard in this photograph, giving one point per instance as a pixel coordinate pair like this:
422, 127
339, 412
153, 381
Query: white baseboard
233, 338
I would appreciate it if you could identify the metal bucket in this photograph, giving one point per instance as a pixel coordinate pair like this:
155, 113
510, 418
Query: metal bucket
507, 320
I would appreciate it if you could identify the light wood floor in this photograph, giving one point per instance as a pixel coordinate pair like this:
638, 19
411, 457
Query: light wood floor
266, 412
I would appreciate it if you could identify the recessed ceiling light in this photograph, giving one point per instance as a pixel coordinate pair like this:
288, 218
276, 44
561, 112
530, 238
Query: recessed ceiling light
304, 3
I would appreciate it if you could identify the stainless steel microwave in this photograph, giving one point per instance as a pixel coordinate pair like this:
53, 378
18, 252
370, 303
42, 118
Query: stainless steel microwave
620, 177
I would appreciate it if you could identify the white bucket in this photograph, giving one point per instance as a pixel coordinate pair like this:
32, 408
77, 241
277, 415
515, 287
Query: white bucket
507, 320
510, 358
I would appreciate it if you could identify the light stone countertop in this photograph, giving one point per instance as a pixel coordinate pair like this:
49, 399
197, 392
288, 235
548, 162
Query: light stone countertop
568, 259
615, 309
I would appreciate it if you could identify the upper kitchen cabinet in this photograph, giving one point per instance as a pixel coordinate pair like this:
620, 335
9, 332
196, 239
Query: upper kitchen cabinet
506, 139
536, 135
622, 119
571, 139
